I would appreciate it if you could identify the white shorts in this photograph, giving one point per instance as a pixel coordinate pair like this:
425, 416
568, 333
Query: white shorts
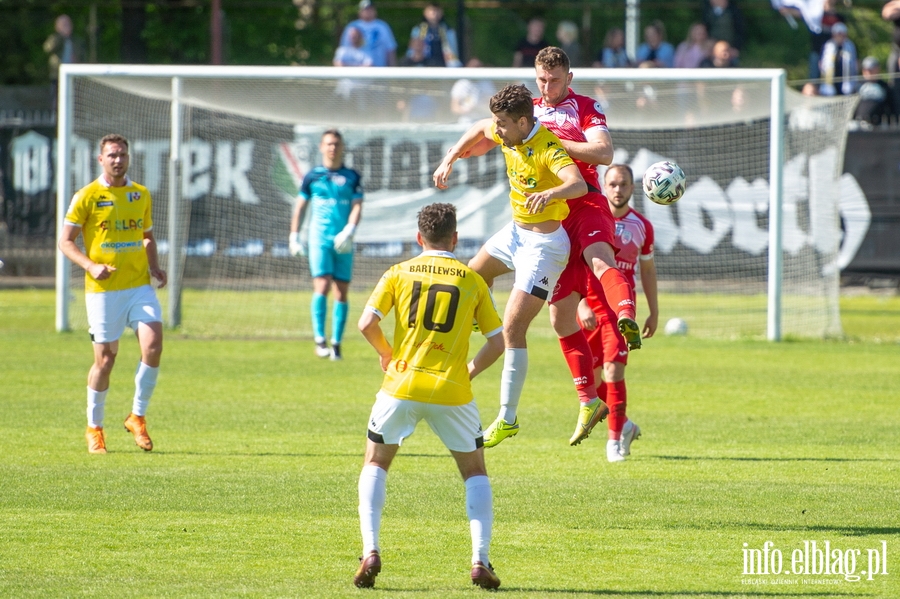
537, 258
393, 420
109, 312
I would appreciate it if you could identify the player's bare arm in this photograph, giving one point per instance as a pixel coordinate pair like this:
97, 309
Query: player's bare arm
492, 349
598, 149
298, 214
71, 251
369, 326
572, 186
891, 10
648, 282
153, 259
476, 134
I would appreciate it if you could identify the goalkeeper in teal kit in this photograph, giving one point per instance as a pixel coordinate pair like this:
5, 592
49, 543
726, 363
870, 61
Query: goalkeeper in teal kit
335, 196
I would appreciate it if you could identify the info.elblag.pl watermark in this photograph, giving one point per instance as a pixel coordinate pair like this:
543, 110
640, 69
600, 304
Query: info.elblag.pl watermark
813, 562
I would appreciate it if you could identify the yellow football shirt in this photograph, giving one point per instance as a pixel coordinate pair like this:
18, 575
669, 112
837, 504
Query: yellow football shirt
113, 221
532, 166
435, 298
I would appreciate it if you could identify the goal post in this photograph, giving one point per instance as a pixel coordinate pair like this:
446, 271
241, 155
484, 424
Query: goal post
749, 251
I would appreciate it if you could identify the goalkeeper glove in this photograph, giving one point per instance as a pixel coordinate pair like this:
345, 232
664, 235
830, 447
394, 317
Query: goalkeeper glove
297, 245
343, 241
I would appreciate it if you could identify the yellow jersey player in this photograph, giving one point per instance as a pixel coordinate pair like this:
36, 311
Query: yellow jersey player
435, 299
542, 177
113, 216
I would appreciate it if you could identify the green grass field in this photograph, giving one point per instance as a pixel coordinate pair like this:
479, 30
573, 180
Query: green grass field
251, 490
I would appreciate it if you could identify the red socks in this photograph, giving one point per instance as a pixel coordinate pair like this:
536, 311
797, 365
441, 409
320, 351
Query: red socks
619, 294
577, 352
616, 400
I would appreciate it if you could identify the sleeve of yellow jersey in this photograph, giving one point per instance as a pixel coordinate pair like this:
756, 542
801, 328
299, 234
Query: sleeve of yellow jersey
382, 298
557, 158
78, 210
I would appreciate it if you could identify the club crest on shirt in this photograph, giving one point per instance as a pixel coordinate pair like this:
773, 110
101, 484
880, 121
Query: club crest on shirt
133, 196
626, 236
339, 180
560, 117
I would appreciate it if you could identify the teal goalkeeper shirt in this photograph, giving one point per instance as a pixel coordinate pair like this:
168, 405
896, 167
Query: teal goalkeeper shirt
330, 194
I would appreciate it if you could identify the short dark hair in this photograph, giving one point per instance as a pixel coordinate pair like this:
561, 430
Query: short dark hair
113, 138
514, 100
621, 167
552, 57
437, 223
334, 132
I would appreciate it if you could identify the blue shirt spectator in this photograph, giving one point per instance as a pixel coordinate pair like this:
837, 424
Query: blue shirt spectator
655, 48
379, 43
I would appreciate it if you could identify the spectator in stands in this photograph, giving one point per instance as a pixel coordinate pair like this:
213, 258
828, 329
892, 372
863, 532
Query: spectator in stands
838, 64
696, 47
415, 55
567, 36
613, 54
655, 48
469, 97
529, 46
724, 21
379, 44
62, 48
819, 24
891, 12
722, 57
352, 55
440, 47
875, 105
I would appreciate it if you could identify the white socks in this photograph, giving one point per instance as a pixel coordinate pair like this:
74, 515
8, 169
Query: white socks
144, 384
96, 401
372, 492
480, 509
512, 380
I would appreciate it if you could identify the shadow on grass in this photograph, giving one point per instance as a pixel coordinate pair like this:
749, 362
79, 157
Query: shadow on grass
846, 531
755, 459
647, 593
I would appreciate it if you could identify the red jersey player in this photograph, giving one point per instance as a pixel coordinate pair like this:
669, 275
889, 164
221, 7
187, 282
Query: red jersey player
634, 242
580, 124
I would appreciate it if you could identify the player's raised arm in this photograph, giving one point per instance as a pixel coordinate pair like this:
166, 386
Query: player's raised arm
473, 139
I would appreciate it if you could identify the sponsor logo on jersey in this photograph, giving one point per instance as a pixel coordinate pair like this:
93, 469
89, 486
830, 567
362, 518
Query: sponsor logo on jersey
592, 233
104, 204
580, 381
122, 247
401, 365
134, 224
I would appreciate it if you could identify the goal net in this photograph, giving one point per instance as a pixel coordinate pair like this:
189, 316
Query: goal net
223, 150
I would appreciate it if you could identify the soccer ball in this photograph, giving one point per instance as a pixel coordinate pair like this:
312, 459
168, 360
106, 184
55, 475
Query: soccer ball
676, 326
664, 183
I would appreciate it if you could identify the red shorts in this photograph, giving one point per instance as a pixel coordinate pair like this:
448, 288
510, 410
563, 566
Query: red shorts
607, 343
589, 222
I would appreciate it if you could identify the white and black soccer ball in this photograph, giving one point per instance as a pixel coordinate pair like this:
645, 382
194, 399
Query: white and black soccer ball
676, 326
664, 183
